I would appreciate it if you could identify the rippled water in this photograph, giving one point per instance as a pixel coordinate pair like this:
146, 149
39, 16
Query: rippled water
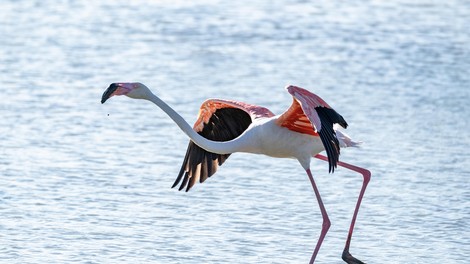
79, 185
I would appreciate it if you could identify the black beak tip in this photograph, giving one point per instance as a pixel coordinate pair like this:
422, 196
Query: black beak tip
107, 94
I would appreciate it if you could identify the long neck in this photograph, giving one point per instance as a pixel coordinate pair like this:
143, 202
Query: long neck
209, 145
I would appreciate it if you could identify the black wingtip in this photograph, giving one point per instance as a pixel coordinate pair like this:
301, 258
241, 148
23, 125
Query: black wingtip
190, 184
178, 179
185, 181
331, 168
328, 117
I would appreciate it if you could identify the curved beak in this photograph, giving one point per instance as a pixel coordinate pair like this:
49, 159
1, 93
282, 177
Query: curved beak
109, 92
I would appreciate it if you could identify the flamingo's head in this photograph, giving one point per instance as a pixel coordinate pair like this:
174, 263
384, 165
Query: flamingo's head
132, 90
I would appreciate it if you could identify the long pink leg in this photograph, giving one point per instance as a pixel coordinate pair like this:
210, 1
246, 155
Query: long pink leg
326, 221
366, 174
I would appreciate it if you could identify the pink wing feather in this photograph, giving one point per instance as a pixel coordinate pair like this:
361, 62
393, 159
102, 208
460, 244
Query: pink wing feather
218, 120
310, 114
209, 107
308, 101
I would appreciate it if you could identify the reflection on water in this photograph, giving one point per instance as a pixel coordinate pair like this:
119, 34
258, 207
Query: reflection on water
78, 185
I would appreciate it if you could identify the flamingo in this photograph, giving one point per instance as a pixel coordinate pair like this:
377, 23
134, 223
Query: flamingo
224, 127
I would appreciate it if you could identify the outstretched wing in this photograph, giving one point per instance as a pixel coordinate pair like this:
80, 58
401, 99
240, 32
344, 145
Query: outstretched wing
218, 120
309, 114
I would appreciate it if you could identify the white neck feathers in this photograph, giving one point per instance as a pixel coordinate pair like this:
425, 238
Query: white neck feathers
209, 145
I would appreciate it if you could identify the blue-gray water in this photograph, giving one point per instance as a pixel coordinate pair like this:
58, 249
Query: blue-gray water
80, 186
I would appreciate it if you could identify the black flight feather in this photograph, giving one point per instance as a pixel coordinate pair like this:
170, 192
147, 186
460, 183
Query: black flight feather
328, 117
225, 124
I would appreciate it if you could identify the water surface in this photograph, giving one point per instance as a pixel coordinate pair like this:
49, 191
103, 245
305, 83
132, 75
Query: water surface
79, 185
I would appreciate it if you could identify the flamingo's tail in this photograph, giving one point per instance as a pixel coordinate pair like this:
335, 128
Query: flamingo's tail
345, 140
